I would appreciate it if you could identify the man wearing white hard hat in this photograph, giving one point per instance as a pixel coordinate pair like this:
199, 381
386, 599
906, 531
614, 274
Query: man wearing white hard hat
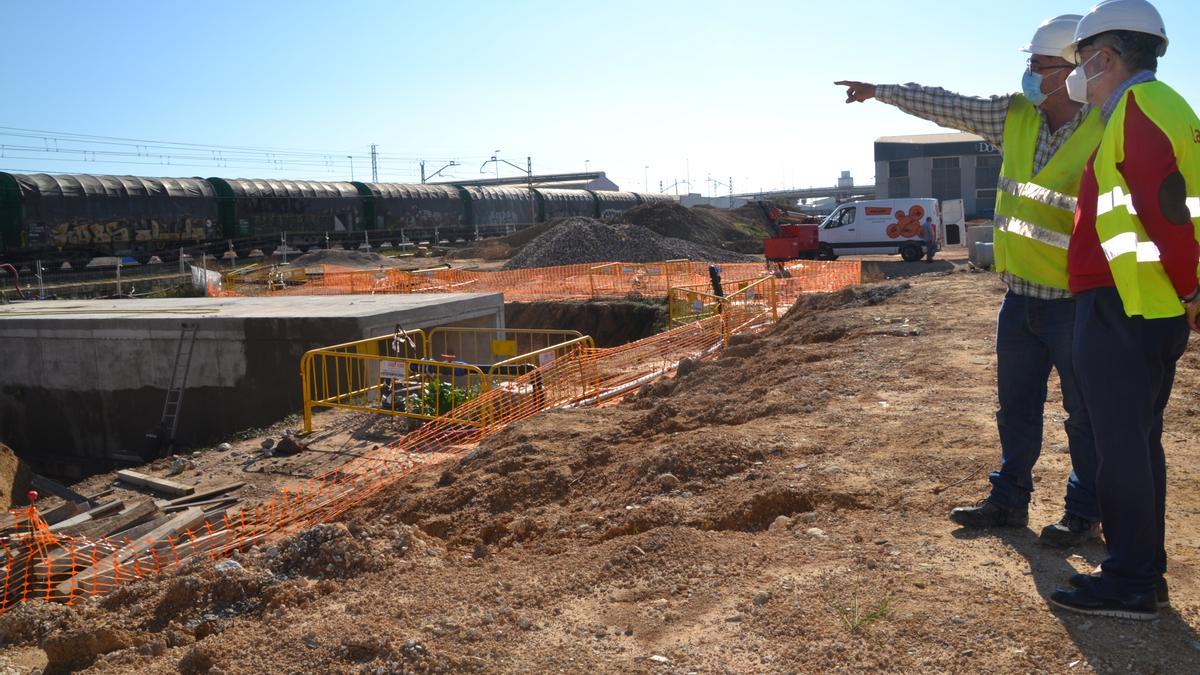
1045, 138
1133, 267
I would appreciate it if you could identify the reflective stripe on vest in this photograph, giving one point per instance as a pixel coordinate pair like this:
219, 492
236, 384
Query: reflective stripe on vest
1133, 258
1112, 199
1038, 194
1035, 212
1030, 231
1127, 242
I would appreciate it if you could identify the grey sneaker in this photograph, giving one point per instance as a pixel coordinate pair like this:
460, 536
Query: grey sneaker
1070, 530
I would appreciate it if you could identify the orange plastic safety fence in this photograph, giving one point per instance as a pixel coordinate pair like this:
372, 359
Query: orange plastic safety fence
564, 282
39, 563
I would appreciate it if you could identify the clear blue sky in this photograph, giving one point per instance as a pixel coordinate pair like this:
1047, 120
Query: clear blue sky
741, 90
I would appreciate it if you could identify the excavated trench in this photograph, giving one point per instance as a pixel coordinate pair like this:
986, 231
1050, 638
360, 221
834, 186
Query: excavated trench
610, 323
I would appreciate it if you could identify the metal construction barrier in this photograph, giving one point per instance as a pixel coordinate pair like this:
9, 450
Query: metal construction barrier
485, 346
615, 280
430, 375
750, 302
356, 377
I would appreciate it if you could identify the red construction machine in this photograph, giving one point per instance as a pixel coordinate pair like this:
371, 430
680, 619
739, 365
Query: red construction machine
794, 237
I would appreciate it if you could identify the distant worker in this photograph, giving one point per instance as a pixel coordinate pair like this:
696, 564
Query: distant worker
1045, 138
1133, 267
929, 234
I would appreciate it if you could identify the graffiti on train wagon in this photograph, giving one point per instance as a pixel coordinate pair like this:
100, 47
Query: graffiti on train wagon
116, 231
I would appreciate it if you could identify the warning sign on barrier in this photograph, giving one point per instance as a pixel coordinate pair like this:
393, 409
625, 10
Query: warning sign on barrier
504, 347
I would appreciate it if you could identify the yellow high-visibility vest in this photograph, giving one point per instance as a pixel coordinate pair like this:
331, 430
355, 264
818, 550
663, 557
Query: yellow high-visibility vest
1036, 212
1133, 257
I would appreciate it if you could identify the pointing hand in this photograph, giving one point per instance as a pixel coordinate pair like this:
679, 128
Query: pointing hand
857, 91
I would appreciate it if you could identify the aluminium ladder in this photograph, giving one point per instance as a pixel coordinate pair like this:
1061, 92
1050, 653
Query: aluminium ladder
179, 374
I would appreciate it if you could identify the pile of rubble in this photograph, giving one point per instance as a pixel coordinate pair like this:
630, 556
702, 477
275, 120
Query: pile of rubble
586, 240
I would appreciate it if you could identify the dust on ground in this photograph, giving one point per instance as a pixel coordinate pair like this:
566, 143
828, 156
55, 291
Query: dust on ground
780, 509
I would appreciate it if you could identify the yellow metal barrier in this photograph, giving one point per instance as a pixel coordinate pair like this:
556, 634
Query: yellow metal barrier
512, 368
485, 346
621, 279
557, 375
397, 374
751, 301
414, 388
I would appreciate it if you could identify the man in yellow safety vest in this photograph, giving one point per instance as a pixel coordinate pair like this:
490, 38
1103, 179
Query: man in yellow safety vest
1133, 267
1045, 138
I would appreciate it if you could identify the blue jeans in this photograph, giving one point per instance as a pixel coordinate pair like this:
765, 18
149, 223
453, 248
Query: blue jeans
1127, 367
1032, 336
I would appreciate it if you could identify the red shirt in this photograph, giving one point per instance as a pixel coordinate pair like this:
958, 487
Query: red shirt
1149, 159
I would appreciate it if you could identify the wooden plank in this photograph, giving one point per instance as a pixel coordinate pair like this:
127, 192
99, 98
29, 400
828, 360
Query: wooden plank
163, 485
69, 525
207, 503
51, 486
206, 493
105, 571
58, 564
134, 514
62, 512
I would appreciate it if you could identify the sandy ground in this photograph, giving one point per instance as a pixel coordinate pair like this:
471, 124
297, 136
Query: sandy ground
781, 509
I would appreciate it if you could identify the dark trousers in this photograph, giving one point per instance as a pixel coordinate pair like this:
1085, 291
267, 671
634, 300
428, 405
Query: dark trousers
1033, 336
1126, 366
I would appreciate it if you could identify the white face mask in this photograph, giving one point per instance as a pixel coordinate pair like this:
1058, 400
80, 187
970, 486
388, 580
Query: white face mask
1078, 80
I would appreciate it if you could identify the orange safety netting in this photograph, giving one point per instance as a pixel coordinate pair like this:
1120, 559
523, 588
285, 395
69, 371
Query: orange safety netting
564, 282
40, 563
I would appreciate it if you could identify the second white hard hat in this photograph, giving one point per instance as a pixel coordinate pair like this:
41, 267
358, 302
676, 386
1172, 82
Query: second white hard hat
1053, 36
1137, 16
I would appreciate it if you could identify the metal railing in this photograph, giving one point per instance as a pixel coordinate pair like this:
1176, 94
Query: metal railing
397, 374
621, 279
751, 302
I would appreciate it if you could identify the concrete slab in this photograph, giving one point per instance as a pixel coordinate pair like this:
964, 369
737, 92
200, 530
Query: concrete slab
83, 380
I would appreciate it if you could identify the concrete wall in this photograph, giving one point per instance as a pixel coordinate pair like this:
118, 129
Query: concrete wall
77, 389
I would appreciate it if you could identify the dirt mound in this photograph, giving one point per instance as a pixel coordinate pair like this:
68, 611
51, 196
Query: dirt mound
586, 240
742, 229
14, 479
352, 259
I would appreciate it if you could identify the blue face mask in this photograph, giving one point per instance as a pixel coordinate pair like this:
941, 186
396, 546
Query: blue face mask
1031, 86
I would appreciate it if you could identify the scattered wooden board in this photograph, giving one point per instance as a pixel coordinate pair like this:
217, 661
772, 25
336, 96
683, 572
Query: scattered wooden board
133, 515
163, 485
104, 572
206, 493
70, 525
53, 487
170, 508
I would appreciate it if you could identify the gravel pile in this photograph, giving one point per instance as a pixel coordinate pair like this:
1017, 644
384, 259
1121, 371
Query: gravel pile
586, 240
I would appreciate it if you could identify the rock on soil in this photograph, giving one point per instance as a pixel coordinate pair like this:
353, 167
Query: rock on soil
586, 240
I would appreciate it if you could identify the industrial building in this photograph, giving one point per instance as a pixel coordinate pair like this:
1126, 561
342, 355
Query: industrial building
943, 166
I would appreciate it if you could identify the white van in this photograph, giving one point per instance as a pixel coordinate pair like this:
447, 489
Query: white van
887, 226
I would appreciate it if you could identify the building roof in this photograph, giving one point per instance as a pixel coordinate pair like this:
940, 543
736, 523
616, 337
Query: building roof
957, 137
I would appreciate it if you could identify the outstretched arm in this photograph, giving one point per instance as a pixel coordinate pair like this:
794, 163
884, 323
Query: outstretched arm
973, 114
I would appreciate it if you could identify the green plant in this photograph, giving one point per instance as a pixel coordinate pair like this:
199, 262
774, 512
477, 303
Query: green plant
437, 398
858, 616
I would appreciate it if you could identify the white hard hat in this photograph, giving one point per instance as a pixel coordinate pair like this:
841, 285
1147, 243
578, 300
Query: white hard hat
1053, 36
1137, 16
